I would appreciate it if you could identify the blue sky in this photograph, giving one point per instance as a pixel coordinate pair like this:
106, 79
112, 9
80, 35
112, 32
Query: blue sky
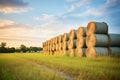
31, 22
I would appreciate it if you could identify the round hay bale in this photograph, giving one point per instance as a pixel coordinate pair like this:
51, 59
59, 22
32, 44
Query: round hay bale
72, 52
97, 28
96, 51
57, 47
80, 52
73, 34
81, 31
56, 39
81, 42
114, 51
71, 43
97, 40
60, 38
66, 36
65, 45
114, 40
60, 46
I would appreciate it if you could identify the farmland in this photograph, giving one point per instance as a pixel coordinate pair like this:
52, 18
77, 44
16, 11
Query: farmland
36, 66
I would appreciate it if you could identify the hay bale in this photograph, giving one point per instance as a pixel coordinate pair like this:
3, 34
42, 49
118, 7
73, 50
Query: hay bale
60, 38
60, 46
97, 51
97, 28
66, 36
114, 51
114, 40
65, 45
73, 34
56, 39
97, 40
71, 43
80, 52
72, 52
81, 31
81, 42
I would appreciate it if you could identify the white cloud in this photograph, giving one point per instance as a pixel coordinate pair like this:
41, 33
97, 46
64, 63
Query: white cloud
78, 4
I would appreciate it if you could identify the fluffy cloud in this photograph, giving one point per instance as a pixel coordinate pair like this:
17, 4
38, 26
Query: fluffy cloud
13, 6
77, 4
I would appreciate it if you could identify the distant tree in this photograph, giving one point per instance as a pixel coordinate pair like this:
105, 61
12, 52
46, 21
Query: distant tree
23, 48
3, 44
2, 47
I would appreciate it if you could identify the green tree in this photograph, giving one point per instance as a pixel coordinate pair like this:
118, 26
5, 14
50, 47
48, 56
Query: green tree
23, 48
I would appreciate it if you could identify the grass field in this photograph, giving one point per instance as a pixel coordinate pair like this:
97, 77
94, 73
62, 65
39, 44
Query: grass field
35, 66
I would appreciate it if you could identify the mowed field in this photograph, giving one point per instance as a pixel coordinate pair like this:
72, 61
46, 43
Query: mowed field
37, 66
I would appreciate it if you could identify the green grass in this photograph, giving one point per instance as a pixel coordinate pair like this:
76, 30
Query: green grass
48, 67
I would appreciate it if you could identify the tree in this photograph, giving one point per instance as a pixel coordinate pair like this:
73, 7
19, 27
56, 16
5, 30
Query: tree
23, 48
2, 47
3, 44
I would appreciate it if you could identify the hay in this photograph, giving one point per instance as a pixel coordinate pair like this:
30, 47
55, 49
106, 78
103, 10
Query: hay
97, 51
73, 34
65, 45
80, 52
114, 40
97, 28
66, 36
71, 43
72, 52
60, 46
81, 32
60, 38
114, 51
97, 40
81, 42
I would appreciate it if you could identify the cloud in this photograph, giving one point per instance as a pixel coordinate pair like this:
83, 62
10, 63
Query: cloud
13, 6
77, 4
46, 18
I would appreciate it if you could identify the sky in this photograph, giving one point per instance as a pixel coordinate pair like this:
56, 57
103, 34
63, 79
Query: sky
31, 22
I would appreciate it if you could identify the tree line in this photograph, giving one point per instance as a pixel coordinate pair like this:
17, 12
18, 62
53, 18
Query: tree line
22, 48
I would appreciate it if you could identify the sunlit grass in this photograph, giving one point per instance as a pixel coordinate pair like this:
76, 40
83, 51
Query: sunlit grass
23, 67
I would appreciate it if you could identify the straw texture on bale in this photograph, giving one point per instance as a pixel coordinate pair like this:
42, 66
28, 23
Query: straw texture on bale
65, 45
114, 51
114, 40
73, 34
72, 52
80, 52
81, 42
56, 39
97, 40
60, 46
81, 32
71, 43
60, 38
97, 51
97, 28
66, 36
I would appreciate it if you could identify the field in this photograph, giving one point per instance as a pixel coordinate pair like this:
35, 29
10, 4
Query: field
36, 66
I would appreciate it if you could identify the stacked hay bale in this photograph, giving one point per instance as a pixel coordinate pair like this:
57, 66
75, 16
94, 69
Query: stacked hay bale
92, 41
72, 42
81, 42
114, 44
97, 39
65, 43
